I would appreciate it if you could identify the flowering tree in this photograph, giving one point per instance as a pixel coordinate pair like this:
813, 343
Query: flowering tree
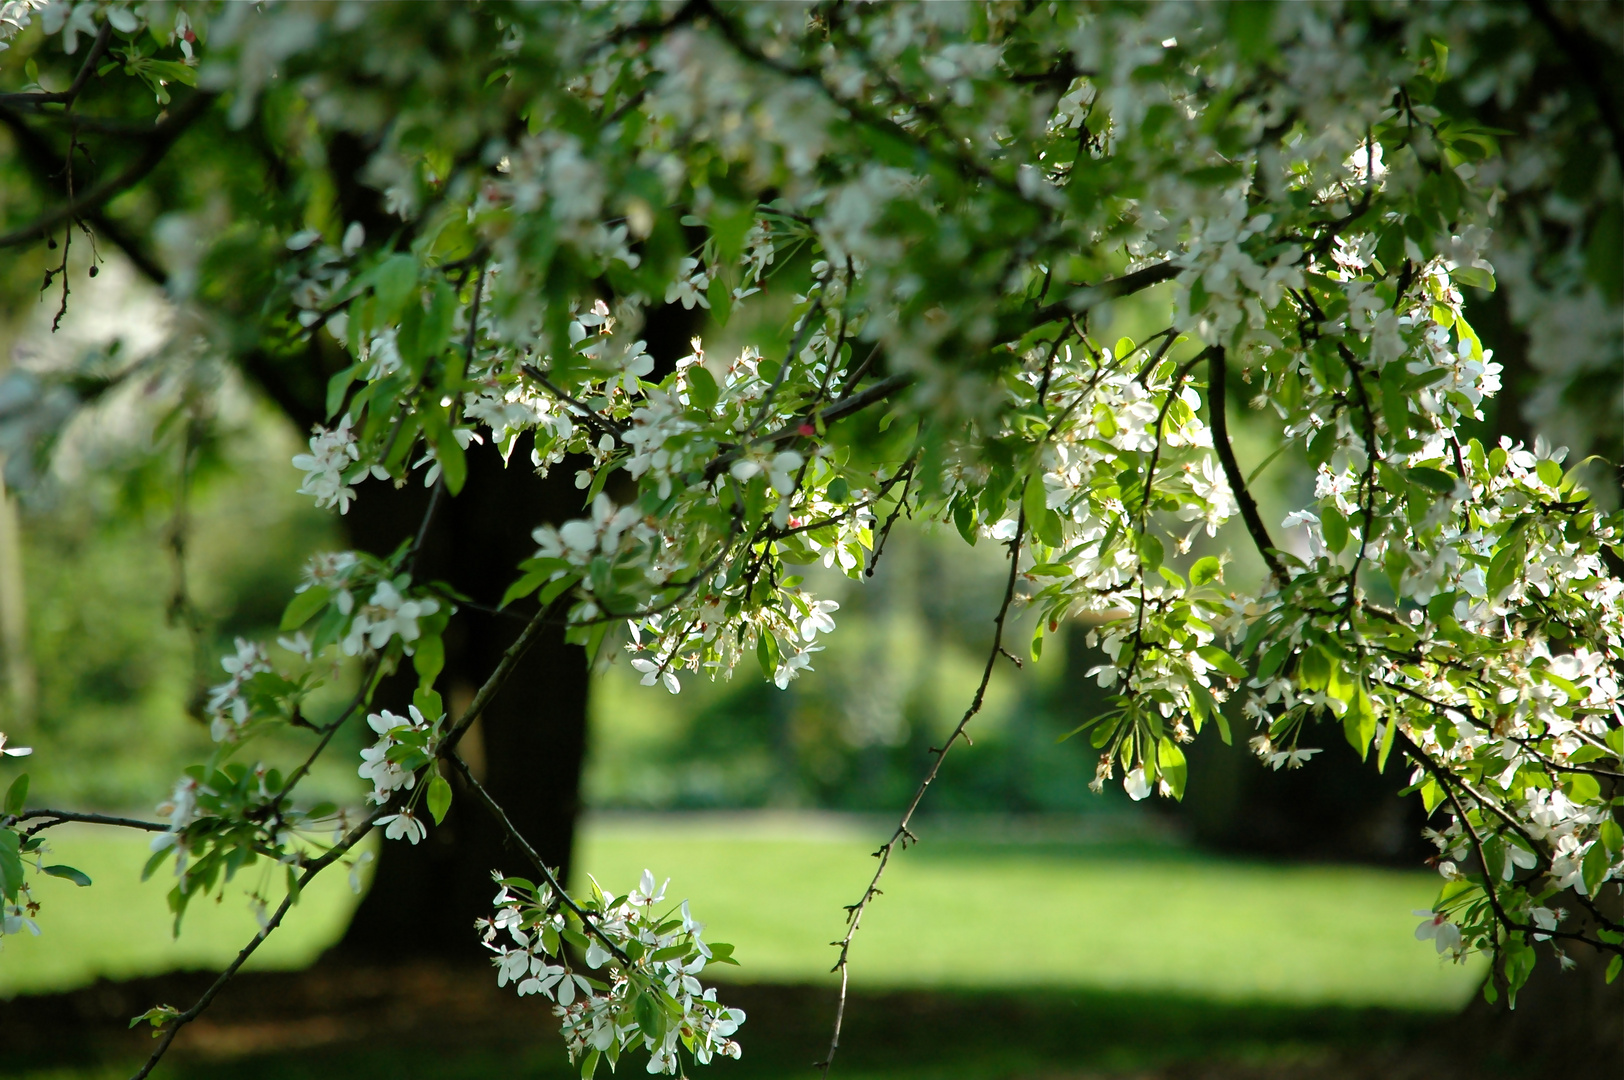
916, 216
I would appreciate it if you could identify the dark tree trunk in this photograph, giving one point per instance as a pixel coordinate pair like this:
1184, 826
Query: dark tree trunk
526, 748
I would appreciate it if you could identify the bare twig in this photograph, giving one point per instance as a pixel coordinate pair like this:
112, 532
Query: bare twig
903, 835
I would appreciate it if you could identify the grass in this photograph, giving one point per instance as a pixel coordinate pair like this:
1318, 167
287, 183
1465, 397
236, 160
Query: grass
959, 912
981, 914
120, 927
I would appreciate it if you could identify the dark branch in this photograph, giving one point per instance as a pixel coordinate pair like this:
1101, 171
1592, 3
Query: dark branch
158, 145
484, 799
104, 36
58, 817
1216, 386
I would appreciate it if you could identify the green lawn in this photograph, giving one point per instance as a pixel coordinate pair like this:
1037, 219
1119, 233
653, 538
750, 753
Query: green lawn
957, 913
120, 926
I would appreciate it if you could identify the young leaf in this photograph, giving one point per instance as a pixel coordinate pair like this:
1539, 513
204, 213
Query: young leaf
11, 864
1171, 760
17, 795
1206, 570
303, 606
439, 798
78, 877
1335, 527
1359, 722
1221, 660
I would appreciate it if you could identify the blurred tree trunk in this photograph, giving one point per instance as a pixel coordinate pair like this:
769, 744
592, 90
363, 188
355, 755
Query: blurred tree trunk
528, 746
18, 664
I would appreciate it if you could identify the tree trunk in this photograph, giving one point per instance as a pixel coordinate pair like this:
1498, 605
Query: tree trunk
528, 746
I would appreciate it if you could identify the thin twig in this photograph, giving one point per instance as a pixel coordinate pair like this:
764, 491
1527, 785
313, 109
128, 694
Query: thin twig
903, 834
484, 799
104, 37
174, 1024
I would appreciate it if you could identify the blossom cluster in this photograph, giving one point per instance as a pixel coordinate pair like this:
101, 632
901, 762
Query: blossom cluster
648, 953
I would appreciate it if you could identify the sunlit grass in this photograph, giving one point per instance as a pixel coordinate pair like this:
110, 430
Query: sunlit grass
120, 926
957, 913
965, 914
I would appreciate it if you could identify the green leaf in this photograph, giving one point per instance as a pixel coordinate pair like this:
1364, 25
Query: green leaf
428, 659
439, 798
524, 587
1273, 658
964, 518
336, 388
453, 465
1170, 759
1359, 722
17, 795
722, 953
1206, 570
589, 1065
1314, 669
1475, 276
1583, 788
1335, 527
1436, 479
1033, 499
1221, 660
158, 1017
1612, 836
721, 300
11, 864
702, 389
649, 1016
78, 877
395, 280
1150, 552
1613, 967
303, 606
1389, 736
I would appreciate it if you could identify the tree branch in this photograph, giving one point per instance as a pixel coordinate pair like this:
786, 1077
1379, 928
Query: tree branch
484, 799
1087, 296
104, 37
902, 834
174, 1024
158, 145
1216, 400
59, 817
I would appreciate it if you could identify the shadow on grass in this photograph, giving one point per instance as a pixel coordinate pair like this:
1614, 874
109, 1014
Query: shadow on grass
424, 1022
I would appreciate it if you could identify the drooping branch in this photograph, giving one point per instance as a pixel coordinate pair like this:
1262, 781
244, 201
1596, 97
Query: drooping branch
903, 835
839, 410
172, 1025
494, 808
1216, 400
